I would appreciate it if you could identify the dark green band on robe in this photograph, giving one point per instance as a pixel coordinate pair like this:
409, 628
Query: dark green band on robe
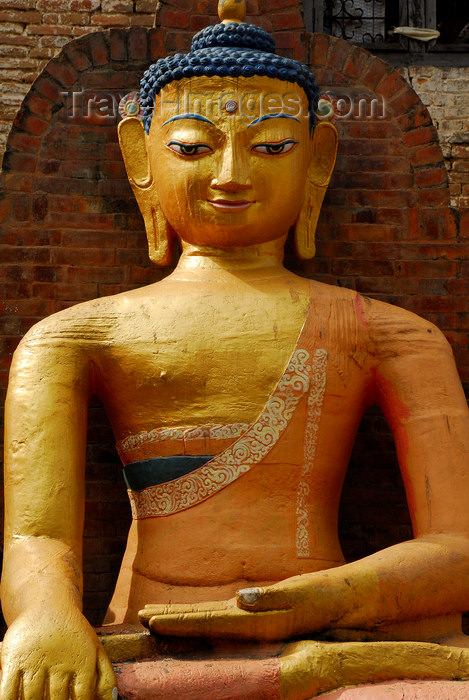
159, 470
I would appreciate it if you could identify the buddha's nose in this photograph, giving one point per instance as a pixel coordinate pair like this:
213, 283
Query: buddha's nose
234, 173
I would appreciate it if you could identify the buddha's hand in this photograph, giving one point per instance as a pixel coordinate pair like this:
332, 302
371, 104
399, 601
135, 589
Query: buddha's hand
272, 613
54, 653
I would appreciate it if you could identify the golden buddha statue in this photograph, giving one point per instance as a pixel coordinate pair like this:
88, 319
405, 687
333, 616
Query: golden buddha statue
235, 390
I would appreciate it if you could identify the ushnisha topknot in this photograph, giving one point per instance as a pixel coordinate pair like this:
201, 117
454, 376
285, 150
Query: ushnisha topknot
232, 48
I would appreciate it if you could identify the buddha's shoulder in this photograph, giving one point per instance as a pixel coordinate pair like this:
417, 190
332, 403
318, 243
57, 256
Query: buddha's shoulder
88, 324
384, 326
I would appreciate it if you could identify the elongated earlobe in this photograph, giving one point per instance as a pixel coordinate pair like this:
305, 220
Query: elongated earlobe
132, 140
324, 154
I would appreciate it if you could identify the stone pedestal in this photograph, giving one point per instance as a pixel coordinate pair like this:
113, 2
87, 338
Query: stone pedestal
149, 668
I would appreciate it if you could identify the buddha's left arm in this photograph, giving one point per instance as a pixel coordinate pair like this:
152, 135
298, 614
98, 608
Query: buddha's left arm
418, 389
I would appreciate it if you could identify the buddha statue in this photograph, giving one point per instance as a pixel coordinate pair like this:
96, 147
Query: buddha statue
235, 390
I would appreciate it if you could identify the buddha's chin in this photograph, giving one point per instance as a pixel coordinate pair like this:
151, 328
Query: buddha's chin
227, 237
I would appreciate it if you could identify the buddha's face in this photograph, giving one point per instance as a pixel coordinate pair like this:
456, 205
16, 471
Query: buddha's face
230, 158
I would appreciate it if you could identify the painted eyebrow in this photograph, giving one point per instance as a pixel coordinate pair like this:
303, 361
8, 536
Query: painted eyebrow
280, 115
198, 117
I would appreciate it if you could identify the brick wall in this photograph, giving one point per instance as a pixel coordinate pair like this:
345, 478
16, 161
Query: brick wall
71, 231
34, 31
445, 91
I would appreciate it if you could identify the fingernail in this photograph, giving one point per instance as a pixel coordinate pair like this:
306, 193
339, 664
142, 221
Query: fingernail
115, 694
249, 595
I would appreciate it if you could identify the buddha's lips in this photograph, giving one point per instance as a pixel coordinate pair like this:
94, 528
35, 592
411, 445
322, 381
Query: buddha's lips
230, 204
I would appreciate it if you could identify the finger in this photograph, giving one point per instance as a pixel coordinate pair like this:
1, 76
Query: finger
268, 598
84, 686
150, 611
59, 686
107, 684
233, 624
10, 685
34, 685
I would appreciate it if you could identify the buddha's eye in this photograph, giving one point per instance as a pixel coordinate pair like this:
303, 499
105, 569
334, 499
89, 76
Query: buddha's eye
275, 149
189, 149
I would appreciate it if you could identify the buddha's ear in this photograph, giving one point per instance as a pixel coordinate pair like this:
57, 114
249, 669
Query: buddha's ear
324, 154
133, 143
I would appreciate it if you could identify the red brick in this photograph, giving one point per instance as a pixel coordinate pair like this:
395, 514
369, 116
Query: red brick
142, 20
156, 44
62, 71
146, 6
88, 274
40, 106
188, 5
83, 256
138, 45
111, 20
266, 6
338, 55
118, 45
286, 20
402, 102
21, 16
392, 84
419, 116
198, 22
174, 18
357, 62
23, 142
99, 50
14, 160
77, 58
84, 5
29, 307
20, 206
39, 207
443, 269
17, 254
427, 155
142, 275
94, 239
48, 88
45, 29
433, 197
177, 41
376, 72
431, 177
464, 223
423, 135
460, 151
368, 232
30, 123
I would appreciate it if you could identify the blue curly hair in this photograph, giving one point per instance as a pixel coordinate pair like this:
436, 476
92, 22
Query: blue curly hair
231, 49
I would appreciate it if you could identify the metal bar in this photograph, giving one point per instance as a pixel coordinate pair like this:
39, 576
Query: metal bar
403, 22
313, 11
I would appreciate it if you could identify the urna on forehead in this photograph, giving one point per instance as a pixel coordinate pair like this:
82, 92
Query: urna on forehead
238, 100
233, 49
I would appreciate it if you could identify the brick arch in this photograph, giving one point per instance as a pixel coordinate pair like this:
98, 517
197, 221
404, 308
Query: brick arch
71, 230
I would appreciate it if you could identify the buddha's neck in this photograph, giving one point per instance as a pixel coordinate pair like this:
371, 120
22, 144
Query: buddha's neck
206, 261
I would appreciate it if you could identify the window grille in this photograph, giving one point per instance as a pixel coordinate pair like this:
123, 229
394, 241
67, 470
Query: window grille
370, 23
360, 21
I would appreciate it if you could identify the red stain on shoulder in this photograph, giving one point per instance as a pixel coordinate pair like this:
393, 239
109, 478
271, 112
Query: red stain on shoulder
359, 307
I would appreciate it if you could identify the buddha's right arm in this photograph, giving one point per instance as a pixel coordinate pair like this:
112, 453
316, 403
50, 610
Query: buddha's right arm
49, 645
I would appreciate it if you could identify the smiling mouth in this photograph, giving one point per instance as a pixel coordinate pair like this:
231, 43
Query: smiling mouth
230, 205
